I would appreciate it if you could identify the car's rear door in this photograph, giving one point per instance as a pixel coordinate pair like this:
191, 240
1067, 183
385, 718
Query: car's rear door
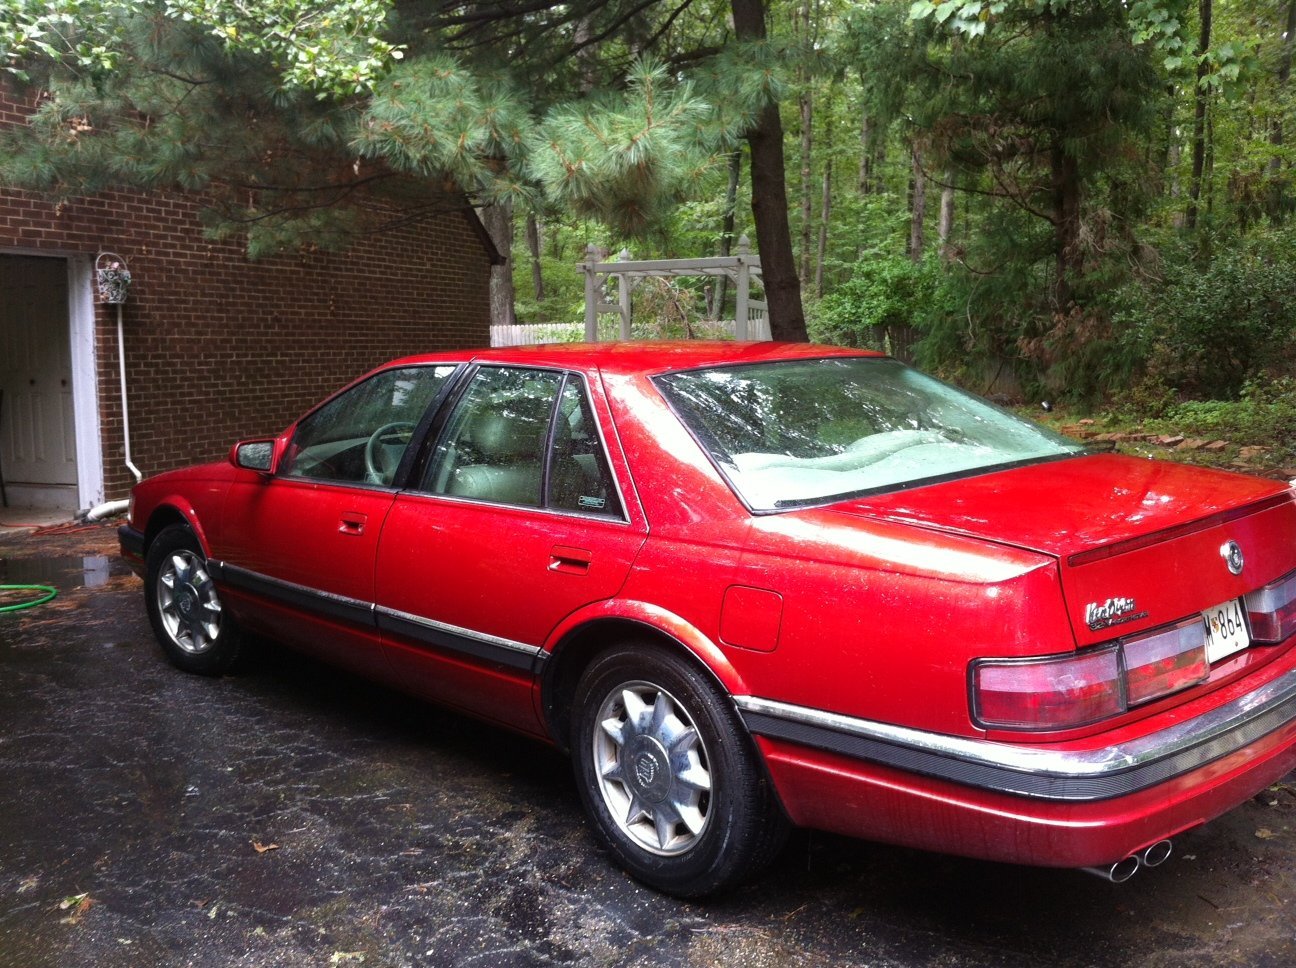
297, 551
516, 521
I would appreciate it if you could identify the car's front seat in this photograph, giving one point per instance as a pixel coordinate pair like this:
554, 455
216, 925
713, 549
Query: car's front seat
507, 460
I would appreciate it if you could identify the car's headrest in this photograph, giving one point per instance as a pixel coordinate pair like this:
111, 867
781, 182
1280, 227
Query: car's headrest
500, 436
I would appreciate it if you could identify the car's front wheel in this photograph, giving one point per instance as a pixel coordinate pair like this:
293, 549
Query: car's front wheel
668, 774
183, 607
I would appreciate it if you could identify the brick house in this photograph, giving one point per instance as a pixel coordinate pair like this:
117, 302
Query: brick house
218, 346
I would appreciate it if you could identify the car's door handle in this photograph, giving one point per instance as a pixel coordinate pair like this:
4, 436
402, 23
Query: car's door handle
353, 523
574, 561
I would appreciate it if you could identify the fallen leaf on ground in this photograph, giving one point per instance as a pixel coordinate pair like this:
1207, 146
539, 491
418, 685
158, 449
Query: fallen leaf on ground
261, 848
1264, 833
78, 904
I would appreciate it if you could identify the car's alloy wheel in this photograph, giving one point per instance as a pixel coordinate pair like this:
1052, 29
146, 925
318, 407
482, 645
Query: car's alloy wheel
652, 768
184, 608
187, 602
669, 775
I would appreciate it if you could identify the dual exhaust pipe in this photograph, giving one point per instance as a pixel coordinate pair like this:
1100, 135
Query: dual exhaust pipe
1123, 870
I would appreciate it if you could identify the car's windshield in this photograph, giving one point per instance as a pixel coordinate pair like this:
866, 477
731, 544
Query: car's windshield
805, 431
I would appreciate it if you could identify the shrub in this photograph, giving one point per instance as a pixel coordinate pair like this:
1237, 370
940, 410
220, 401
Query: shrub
1265, 414
1207, 327
885, 300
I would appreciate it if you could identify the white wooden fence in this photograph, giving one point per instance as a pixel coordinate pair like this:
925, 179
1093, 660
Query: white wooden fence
531, 334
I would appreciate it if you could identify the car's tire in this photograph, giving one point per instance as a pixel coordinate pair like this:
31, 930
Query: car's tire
183, 607
668, 773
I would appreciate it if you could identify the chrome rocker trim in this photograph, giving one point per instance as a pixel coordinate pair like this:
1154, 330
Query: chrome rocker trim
389, 621
493, 648
1043, 774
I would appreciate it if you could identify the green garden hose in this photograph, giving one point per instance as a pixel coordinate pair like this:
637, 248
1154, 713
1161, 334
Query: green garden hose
47, 593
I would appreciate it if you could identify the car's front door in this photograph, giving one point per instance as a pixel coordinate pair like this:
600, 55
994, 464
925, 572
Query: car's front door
301, 545
516, 522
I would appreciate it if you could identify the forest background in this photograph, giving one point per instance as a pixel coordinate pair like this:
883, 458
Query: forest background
1082, 201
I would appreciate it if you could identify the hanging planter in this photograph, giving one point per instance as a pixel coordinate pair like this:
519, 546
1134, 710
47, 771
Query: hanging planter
112, 278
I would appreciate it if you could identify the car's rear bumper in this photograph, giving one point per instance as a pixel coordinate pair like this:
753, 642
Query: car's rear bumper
1063, 807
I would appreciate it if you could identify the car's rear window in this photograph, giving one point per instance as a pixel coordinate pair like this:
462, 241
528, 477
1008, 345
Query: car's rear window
802, 432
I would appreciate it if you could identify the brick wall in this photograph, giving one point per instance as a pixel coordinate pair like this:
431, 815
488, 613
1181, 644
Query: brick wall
219, 346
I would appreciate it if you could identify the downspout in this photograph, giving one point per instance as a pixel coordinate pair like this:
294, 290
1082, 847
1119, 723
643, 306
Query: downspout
121, 362
113, 279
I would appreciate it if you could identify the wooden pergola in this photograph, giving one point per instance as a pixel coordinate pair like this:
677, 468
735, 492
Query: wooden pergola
750, 321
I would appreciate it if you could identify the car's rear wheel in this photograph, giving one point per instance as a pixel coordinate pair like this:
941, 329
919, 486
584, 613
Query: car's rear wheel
184, 609
668, 774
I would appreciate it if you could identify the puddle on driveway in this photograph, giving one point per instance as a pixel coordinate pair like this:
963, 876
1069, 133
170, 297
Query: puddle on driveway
73, 571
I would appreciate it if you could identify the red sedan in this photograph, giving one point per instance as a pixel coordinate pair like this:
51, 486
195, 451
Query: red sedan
748, 584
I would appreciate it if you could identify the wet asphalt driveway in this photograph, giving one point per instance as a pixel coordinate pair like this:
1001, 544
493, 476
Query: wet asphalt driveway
291, 816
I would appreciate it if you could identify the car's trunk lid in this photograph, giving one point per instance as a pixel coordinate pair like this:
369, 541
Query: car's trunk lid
1139, 543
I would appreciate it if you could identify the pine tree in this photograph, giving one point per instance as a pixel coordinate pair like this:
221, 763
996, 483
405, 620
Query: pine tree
309, 121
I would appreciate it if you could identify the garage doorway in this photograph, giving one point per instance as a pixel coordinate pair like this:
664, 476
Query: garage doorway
39, 314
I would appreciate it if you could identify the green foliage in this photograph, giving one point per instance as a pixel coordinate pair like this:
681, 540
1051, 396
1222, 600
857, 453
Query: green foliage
884, 294
490, 108
330, 47
435, 118
626, 158
1210, 323
81, 33
564, 299
271, 163
333, 47
1263, 415
1149, 398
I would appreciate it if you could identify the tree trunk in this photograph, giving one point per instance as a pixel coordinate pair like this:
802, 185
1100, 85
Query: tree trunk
769, 198
1065, 182
727, 230
533, 245
866, 153
824, 212
945, 227
498, 220
807, 205
1277, 192
917, 207
806, 103
1200, 95
1159, 156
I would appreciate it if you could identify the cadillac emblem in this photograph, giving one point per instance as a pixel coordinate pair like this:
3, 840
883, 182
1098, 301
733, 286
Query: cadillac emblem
1232, 555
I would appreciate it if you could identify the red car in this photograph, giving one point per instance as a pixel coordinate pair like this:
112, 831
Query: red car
748, 584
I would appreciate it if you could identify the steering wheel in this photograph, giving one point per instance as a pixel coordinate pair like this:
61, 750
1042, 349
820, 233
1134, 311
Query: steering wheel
380, 461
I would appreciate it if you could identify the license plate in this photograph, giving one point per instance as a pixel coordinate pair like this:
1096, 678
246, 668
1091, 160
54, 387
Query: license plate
1226, 630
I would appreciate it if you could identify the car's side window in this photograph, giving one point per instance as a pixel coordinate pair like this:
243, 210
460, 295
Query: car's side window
579, 478
493, 446
361, 435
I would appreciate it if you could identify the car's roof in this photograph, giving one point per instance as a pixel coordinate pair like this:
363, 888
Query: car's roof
642, 357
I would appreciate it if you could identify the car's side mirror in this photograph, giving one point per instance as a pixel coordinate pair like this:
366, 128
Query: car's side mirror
254, 455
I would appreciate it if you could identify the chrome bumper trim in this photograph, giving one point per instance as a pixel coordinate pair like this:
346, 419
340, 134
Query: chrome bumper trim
1039, 773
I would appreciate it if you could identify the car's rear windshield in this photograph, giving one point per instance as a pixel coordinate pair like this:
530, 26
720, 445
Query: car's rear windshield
800, 432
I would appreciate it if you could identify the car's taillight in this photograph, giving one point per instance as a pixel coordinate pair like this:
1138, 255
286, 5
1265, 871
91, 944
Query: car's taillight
1272, 610
1054, 693
1165, 661
1061, 692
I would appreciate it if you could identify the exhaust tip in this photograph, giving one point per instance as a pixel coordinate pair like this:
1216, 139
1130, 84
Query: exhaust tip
1119, 872
1158, 853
